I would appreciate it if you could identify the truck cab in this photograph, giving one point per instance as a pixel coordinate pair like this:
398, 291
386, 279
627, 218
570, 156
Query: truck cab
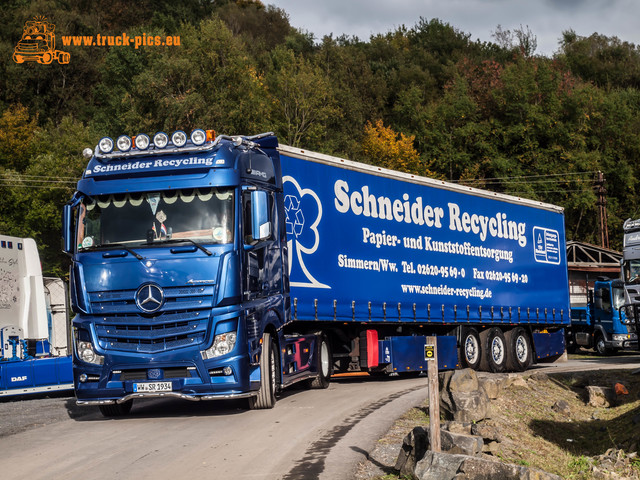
602, 324
178, 276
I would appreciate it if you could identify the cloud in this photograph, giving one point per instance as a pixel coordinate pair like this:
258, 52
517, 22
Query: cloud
547, 19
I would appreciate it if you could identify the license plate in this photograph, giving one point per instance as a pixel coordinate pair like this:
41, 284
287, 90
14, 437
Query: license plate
152, 387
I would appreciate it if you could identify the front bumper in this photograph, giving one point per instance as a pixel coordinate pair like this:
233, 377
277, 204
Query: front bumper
190, 379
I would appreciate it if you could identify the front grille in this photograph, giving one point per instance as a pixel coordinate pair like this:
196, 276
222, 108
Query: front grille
141, 374
182, 321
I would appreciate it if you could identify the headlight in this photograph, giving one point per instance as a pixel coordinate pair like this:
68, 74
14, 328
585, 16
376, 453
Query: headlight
105, 145
179, 138
87, 354
142, 141
222, 344
124, 143
160, 140
198, 137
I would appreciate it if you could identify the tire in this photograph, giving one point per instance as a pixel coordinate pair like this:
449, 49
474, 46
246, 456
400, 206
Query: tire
46, 58
599, 346
63, 58
470, 352
266, 397
323, 363
18, 58
494, 350
519, 354
116, 409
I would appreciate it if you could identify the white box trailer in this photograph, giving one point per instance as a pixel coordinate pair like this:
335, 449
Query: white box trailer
34, 353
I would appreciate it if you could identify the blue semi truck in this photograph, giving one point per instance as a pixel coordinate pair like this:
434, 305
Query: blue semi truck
231, 267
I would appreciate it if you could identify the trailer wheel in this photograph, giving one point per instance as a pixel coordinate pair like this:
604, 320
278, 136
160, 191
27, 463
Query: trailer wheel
470, 349
519, 355
494, 350
266, 397
116, 409
323, 363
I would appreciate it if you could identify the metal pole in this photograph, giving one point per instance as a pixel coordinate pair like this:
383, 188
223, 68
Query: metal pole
434, 397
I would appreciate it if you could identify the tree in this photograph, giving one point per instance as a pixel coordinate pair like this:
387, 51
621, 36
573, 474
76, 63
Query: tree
384, 147
301, 97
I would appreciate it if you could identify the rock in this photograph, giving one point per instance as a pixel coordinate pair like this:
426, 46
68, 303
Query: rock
464, 444
416, 444
462, 398
491, 386
487, 432
600, 396
519, 382
465, 380
414, 447
457, 427
561, 406
620, 389
438, 465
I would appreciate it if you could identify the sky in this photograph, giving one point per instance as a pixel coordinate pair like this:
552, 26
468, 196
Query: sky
546, 19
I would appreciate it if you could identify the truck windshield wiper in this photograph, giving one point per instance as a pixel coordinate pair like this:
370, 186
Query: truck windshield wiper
188, 240
120, 245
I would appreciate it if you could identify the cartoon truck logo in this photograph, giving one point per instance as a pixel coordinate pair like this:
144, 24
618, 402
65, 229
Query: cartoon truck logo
38, 44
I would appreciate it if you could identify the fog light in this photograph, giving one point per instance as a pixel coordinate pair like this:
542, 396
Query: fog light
124, 143
105, 145
198, 137
160, 140
179, 138
83, 377
227, 370
142, 141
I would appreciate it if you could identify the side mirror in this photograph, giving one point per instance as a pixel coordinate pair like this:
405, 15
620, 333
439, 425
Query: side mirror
67, 229
260, 224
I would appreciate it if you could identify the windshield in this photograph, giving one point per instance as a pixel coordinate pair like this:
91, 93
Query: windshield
632, 272
618, 297
200, 215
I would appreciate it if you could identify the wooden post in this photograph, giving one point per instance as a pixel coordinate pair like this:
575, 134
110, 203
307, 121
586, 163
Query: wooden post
434, 394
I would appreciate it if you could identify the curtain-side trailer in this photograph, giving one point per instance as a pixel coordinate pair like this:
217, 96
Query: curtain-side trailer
232, 267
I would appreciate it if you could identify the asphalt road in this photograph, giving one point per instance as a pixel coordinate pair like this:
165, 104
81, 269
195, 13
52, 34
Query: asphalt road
310, 434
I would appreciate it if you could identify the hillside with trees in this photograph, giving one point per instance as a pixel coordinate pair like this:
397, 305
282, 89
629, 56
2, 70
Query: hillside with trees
423, 98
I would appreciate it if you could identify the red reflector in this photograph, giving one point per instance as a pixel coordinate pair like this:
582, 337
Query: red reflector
372, 348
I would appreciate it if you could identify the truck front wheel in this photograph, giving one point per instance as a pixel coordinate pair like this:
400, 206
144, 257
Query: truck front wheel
600, 346
266, 397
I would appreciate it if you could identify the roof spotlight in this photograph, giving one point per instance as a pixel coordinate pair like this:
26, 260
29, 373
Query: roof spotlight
160, 140
105, 145
142, 141
124, 143
179, 138
198, 136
